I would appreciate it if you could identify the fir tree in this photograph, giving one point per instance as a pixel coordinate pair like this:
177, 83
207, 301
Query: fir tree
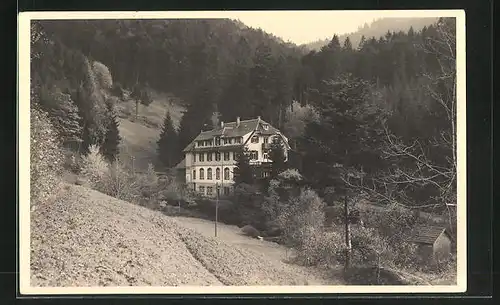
243, 172
276, 154
66, 119
348, 44
168, 143
110, 145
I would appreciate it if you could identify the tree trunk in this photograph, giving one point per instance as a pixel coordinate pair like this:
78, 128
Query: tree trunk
347, 236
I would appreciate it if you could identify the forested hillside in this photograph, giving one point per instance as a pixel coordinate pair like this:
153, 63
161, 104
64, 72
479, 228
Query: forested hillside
376, 29
211, 65
371, 123
221, 69
388, 109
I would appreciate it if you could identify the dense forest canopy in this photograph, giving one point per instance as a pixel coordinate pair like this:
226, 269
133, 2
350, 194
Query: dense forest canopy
387, 91
376, 28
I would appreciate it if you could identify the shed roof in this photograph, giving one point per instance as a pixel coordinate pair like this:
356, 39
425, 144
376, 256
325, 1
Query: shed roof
427, 234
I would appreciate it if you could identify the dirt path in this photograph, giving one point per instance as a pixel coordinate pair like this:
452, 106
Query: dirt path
85, 238
279, 254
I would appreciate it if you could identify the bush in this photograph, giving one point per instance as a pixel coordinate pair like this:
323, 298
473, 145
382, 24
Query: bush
119, 179
300, 215
370, 248
250, 231
103, 75
72, 161
119, 183
94, 167
319, 247
46, 157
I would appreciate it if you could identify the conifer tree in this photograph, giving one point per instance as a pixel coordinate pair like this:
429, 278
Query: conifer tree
243, 172
110, 145
276, 154
348, 44
168, 143
66, 120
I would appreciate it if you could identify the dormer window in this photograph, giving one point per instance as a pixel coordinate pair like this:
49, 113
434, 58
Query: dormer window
255, 139
217, 141
265, 126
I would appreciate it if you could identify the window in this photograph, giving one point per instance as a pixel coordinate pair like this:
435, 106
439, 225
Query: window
265, 156
209, 156
254, 155
226, 141
209, 174
226, 156
266, 140
226, 190
210, 190
217, 173
217, 141
234, 155
194, 174
208, 143
255, 139
194, 158
265, 174
201, 157
238, 140
226, 174
217, 156
266, 127
202, 174
201, 189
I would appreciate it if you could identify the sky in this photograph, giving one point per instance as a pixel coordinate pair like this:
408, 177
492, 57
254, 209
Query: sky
304, 27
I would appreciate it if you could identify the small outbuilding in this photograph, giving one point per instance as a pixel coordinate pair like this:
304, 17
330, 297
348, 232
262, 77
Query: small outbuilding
434, 243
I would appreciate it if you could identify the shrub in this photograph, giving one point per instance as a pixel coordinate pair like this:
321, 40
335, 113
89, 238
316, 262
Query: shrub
72, 161
319, 247
370, 248
118, 182
46, 157
94, 167
250, 231
300, 215
103, 75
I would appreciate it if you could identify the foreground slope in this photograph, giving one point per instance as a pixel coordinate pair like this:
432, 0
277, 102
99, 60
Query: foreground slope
85, 238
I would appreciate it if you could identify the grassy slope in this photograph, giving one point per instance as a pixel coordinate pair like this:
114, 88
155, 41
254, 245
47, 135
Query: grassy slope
85, 238
139, 135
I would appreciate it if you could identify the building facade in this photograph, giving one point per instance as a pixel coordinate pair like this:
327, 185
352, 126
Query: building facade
210, 158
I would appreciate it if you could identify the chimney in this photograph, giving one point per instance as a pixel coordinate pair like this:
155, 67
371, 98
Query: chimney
258, 118
237, 121
222, 124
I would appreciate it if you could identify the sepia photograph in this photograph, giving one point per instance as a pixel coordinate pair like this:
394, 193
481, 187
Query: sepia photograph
242, 152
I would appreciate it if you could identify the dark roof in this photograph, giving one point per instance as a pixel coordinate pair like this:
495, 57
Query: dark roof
427, 234
231, 129
232, 147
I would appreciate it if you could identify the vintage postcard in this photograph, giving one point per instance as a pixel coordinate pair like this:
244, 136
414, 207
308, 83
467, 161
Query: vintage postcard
241, 152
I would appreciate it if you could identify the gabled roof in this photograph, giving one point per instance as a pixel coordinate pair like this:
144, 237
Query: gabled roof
427, 234
231, 129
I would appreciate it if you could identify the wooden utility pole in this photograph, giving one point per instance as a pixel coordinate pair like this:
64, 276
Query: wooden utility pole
216, 206
347, 236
